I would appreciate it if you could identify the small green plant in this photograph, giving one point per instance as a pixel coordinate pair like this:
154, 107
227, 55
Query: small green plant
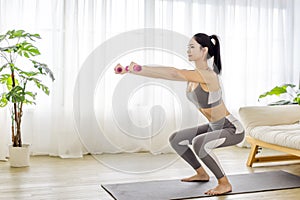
17, 75
288, 89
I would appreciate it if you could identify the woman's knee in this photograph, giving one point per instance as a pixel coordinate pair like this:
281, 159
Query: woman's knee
197, 144
179, 138
172, 138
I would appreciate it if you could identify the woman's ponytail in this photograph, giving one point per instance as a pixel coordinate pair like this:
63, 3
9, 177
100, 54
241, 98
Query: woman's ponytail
217, 56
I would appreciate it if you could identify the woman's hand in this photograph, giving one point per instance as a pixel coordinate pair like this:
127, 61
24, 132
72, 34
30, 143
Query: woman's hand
119, 69
134, 67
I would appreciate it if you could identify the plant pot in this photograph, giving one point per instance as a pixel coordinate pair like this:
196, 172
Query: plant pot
19, 156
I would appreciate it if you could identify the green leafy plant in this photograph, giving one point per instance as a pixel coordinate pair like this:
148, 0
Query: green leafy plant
288, 89
20, 78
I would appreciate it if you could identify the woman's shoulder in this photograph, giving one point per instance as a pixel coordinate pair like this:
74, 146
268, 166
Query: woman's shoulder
209, 75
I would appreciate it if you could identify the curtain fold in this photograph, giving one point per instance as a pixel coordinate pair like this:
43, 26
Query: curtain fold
259, 49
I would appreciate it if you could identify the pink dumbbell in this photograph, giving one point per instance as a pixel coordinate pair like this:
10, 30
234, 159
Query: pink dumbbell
119, 69
137, 68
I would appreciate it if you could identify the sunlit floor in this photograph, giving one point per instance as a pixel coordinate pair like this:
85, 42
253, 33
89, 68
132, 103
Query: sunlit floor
56, 178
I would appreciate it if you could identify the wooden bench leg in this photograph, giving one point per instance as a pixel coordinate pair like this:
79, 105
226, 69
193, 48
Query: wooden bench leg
252, 154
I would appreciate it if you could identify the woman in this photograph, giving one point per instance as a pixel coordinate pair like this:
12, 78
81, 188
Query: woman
203, 89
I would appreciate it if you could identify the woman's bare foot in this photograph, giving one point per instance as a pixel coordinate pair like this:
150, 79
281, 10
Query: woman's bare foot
196, 178
223, 187
201, 176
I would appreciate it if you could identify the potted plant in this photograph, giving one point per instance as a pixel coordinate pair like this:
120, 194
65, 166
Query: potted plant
287, 92
20, 76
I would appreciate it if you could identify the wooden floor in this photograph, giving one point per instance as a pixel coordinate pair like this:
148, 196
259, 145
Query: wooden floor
55, 178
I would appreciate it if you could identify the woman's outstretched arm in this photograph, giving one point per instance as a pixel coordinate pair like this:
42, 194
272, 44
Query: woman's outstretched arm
162, 72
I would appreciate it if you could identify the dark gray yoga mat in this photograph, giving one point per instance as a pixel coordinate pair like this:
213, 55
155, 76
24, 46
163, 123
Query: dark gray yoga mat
175, 189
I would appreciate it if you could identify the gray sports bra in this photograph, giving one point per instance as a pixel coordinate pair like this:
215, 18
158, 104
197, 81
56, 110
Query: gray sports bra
204, 99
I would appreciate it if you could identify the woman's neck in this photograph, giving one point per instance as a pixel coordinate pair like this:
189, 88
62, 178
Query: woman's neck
201, 65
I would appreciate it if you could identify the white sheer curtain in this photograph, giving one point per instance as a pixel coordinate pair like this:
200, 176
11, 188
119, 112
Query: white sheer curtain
259, 49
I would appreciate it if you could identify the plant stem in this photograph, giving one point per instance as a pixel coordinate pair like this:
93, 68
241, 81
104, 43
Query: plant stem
15, 137
3, 56
19, 129
20, 117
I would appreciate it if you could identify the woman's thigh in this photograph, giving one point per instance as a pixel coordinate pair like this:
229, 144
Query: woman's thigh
190, 133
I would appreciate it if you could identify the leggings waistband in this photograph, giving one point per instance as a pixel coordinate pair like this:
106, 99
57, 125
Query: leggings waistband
225, 122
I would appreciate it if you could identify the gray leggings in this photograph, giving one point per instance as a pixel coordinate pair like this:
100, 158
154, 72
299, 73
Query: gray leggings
225, 132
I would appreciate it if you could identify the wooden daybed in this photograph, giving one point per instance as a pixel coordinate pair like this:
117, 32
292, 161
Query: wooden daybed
272, 127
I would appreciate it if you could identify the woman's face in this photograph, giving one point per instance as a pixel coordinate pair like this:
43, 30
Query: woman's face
195, 50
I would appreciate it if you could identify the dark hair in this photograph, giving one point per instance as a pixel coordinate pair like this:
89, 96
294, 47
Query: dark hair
213, 49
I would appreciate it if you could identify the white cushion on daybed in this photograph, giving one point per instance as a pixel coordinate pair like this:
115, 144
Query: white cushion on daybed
283, 135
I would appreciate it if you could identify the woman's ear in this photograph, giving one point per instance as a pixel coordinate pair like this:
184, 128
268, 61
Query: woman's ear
205, 51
